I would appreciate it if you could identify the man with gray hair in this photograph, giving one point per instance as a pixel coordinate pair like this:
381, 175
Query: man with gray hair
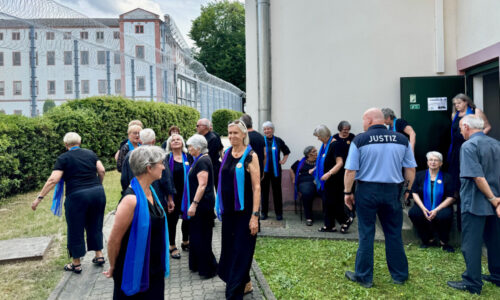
215, 146
164, 187
399, 125
479, 193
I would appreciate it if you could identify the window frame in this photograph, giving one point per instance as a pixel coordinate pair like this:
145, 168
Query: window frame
137, 47
84, 35
118, 86
49, 53
49, 91
14, 60
137, 85
116, 35
16, 35
103, 57
14, 88
87, 90
70, 58
67, 35
50, 35
104, 87
84, 63
2, 88
101, 34
139, 29
66, 90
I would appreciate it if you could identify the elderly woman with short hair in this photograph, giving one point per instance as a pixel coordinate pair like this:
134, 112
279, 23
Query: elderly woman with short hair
433, 195
237, 205
272, 170
83, 174
138, 241
133, 142
303, 179
201, 208
329, 180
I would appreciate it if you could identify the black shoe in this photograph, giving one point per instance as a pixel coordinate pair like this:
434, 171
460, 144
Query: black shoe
448, 248
398, 281
424, 246
352, 277
279, 217
490, 279
263, 217
461, 286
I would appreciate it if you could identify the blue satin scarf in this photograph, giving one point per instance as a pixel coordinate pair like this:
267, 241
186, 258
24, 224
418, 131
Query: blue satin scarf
301, 163
58, 193
130, 146
433, 198
394, 125
274, 157
136, 265
320, 162
238, 182
468, 112
185, 193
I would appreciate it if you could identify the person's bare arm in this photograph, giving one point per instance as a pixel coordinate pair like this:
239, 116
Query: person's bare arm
53, 179
348, 183
283, 161
101, 171
202, 185
254, 170
413, 136
123, 218
482, 115
339, 163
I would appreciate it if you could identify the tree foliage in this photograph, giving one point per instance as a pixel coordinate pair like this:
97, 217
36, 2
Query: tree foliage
48, 105
219, 34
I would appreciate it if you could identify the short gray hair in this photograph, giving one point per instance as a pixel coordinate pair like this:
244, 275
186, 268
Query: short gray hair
147, 136
169, 142
145, 156
343, 124
308, 150
322, 131
388, 113
72, 138
268, 124
435, 154
198, 142
473, 121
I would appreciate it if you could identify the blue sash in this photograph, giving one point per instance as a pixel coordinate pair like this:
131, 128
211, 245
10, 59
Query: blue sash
130, 146
301, 163
185, 192
136, 265
187, 202
320, 162
437, 193
394, 125
274, 157
468, 112
238, 182
58, 194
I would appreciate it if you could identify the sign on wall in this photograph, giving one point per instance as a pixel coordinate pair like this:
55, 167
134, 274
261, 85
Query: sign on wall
437, 104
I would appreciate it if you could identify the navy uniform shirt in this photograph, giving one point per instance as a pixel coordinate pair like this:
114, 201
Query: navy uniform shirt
379, 154
479, 157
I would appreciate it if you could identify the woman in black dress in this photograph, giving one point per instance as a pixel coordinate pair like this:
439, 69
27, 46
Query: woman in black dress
138, 241
328, 180
238, 198
201, 208
179, 163
83, 174
433, 195
303, 179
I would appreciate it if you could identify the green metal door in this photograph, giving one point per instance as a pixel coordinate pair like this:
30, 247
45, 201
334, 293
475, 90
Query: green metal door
426, 103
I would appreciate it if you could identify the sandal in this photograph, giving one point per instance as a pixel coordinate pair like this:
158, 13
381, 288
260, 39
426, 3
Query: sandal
176, 255
98, 261
73, 268
309, 222
248, 288
349, 221
185, 247
344, 228
324, 229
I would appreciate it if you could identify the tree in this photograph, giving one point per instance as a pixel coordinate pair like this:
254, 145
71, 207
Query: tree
219, 34
48, 105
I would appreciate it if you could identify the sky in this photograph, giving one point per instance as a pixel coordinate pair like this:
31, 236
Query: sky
182, 11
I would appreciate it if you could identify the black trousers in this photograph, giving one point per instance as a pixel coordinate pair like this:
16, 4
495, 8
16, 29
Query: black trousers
275, 182
237, 250
333, 203
475, 231
201, 256
441, 224
156, 289
308, 192
84, 211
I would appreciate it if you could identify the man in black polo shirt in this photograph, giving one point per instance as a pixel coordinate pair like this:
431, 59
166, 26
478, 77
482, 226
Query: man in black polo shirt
215, 146
256, 141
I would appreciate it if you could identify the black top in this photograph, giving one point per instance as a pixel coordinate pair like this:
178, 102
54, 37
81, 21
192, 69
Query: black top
400, 126
345, 143
304, 175
79, 169
157, 262
282, 148
123, 143
214, 148
178, 177
258, 145
227, 184
207, 202
121, 156
418, 185
335, 150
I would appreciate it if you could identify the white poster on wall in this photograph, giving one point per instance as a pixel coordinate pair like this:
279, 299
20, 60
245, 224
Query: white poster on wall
437, 104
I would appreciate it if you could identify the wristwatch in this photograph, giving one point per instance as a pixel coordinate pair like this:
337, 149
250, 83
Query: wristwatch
348, 193
256, 213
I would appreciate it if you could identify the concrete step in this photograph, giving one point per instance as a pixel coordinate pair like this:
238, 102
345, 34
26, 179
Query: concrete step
23, 249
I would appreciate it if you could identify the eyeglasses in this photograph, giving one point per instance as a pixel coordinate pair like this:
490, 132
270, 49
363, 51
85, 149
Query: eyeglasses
199, 125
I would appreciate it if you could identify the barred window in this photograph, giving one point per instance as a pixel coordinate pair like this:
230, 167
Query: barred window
68, 86
51, 87
186, 91
51, 58
101, 57
67, 35
84, 35
84, 57
85, 86
101, 86
17, 88
67, 58
16, 58
141, 83
50, 35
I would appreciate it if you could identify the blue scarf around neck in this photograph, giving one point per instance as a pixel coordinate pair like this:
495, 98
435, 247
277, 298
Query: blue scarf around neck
433, 197
274, 156
320, 165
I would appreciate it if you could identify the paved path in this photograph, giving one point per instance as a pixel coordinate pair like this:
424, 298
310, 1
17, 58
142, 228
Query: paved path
181, 284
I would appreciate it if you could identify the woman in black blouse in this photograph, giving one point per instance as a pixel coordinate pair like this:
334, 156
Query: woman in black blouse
272, 170
303, 179
140, 226
179, 163
433, 195
201, 208
83, 174
239, 177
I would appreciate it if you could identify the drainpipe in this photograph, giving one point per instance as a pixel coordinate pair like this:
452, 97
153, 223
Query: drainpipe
77, 73
264, 60
33, 72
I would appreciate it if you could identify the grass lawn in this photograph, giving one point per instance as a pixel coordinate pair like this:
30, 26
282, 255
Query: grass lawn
37, 279
314, 269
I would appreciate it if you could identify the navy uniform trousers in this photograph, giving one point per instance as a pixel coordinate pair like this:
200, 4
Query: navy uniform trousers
476, 230
380, 199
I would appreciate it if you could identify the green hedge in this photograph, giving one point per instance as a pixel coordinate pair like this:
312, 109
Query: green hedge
29, 146
222, 117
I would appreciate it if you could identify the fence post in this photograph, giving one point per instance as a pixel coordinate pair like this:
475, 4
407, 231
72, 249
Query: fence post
108, 73
33, 71
151, 81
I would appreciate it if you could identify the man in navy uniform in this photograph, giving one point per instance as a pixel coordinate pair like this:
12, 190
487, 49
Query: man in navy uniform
375, 160
479, 191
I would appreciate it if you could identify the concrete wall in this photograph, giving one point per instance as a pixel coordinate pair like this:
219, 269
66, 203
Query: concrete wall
333, 59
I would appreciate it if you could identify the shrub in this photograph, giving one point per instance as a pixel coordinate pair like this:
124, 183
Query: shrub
48, 105
222, 117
